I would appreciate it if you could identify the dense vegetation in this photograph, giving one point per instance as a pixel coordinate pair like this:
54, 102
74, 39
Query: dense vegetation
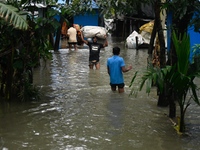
25, 38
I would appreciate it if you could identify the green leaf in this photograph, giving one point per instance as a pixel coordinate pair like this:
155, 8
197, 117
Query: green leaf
133, 79
182, 47
13, 16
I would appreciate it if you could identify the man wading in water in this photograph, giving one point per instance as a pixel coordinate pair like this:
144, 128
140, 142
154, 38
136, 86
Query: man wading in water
116, 68
94, 48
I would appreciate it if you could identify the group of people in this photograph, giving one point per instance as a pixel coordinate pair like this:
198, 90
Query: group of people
115, 64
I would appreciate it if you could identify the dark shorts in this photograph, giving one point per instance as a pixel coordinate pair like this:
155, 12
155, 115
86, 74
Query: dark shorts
94, 62
121, 85
72, 42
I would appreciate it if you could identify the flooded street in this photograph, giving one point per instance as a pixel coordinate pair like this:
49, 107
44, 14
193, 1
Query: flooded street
78, 110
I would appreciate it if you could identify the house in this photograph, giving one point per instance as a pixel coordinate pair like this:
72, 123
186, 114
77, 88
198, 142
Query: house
89, 18
194, 36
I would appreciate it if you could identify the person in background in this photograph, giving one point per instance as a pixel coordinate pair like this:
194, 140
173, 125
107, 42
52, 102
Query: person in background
79, 39
64, 31
71, 32
116, 68
94, 48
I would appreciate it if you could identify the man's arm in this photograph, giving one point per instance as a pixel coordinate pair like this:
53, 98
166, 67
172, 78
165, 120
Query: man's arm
106, 42
108, 70
86, 42
124, 69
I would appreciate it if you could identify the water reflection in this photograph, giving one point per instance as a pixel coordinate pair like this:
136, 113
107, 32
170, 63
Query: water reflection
79, 111
115, 108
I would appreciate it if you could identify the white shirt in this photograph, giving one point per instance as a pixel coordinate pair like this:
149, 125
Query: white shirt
72, 34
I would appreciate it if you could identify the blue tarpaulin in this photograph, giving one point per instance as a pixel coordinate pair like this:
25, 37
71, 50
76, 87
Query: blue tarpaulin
194, 36
89, 18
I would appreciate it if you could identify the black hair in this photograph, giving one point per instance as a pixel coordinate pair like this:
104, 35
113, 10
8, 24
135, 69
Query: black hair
116, 50
94, 37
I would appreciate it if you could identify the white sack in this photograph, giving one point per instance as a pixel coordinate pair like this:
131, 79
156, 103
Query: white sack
109, 24
146, 36
131, 40
91, 31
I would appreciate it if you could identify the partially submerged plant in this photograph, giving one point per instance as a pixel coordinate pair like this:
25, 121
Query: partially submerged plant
179, 77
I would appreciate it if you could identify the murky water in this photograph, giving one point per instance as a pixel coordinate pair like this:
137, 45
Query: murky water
78, 111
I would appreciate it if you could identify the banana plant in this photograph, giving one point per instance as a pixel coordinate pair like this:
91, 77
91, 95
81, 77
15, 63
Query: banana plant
14, 16
21, 50
180, 78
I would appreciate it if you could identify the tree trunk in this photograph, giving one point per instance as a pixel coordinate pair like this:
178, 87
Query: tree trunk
9, 74
182, 121
163, 97
57, 40
153, 36
158, 26
172, 105
58, 35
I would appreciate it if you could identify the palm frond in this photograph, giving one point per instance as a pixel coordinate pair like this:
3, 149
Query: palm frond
133, 79
182, 47
11, 15
149, 78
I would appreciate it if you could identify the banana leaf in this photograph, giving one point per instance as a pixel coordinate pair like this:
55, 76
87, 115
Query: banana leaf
182, 47
12, 15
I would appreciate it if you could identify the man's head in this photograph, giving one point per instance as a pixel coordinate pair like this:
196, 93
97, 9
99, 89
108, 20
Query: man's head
116, 50
94, 39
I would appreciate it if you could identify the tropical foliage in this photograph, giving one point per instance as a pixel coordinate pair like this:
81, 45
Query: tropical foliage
21, 50
110, 9
13, 15
180, 77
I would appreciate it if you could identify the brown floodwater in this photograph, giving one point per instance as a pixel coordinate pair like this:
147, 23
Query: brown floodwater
78, 111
